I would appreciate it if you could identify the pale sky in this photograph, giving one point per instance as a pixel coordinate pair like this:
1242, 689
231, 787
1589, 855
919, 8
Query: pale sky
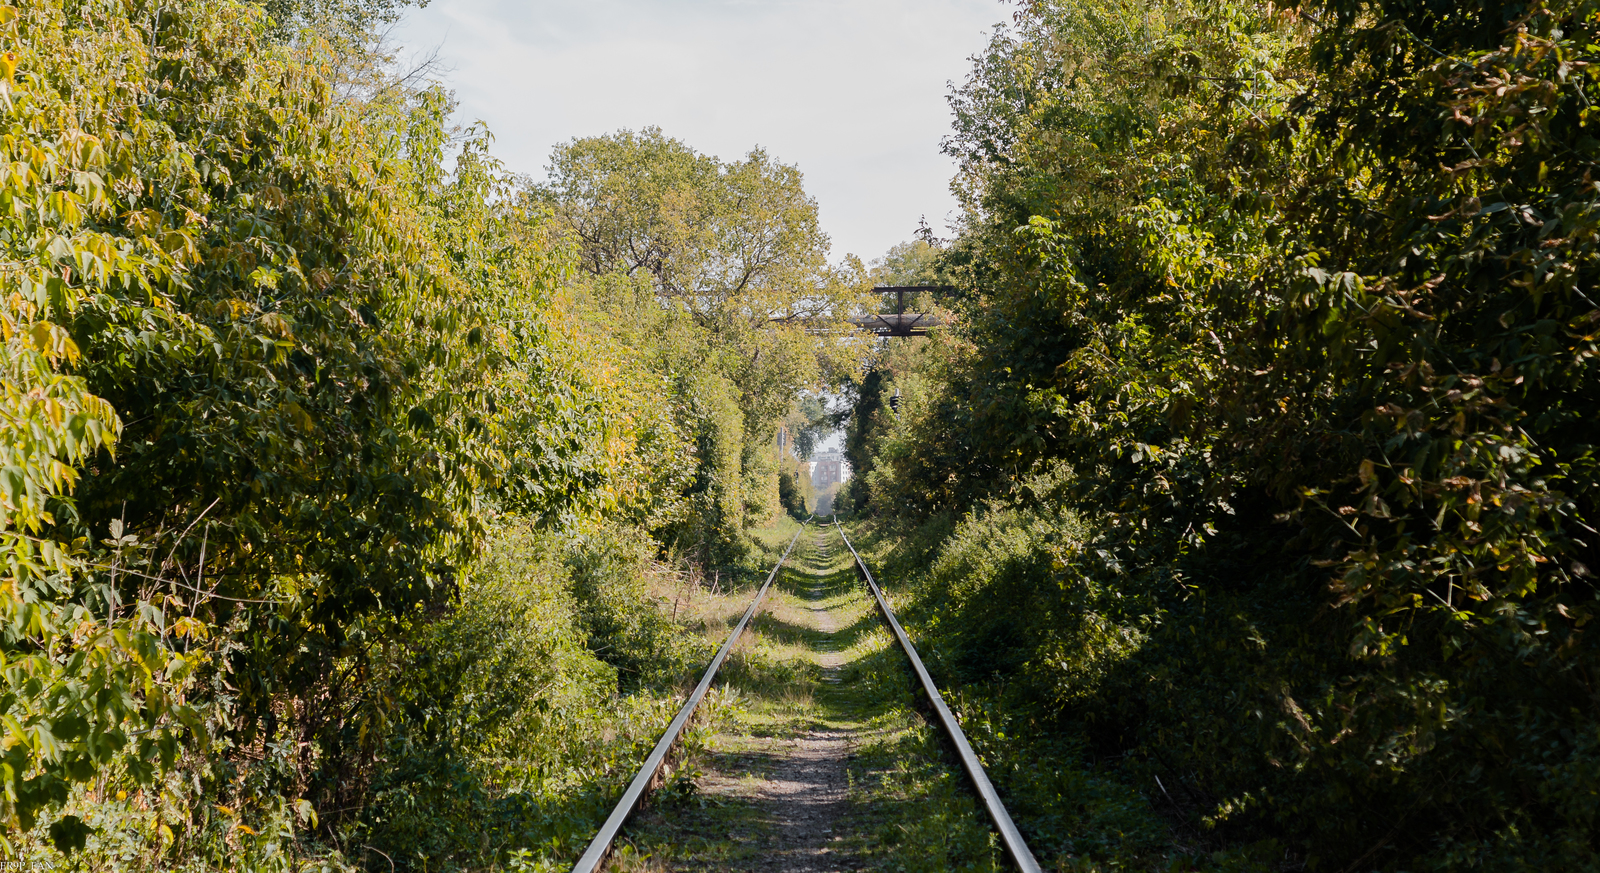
851, 91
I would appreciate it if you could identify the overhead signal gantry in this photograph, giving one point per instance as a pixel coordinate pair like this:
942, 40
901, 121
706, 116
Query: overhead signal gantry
900, 322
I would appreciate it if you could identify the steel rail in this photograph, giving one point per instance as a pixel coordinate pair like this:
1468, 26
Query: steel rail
1009, 835
600, 846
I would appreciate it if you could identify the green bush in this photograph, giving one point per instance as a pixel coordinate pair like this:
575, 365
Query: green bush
621, 623
511, 733
1299, 302
790, 498
273, 369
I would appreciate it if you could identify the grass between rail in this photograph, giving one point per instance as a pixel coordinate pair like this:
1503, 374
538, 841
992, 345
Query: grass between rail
825, 762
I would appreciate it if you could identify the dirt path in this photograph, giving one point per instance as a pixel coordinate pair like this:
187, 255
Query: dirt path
807, 793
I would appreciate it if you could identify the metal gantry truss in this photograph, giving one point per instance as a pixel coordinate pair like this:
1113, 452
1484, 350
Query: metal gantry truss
900, 322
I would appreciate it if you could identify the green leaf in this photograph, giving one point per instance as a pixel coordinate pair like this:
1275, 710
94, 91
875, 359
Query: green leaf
69, 834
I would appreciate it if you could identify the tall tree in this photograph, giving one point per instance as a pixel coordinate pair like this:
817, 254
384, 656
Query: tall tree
727, 265
735, 245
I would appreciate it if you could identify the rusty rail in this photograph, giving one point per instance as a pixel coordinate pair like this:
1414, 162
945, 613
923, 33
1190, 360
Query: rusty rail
1010, 837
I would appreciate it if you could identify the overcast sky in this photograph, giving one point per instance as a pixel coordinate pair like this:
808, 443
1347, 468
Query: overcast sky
851, 91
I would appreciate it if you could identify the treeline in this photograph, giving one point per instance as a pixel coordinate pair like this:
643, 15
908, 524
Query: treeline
1260, 473
338, 460
713, 279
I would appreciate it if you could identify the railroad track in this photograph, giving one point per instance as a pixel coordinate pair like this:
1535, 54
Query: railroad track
1015, 846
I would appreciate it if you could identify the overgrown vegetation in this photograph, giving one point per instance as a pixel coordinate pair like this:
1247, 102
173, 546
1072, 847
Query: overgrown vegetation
335, 492
1261, 469
350, 483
